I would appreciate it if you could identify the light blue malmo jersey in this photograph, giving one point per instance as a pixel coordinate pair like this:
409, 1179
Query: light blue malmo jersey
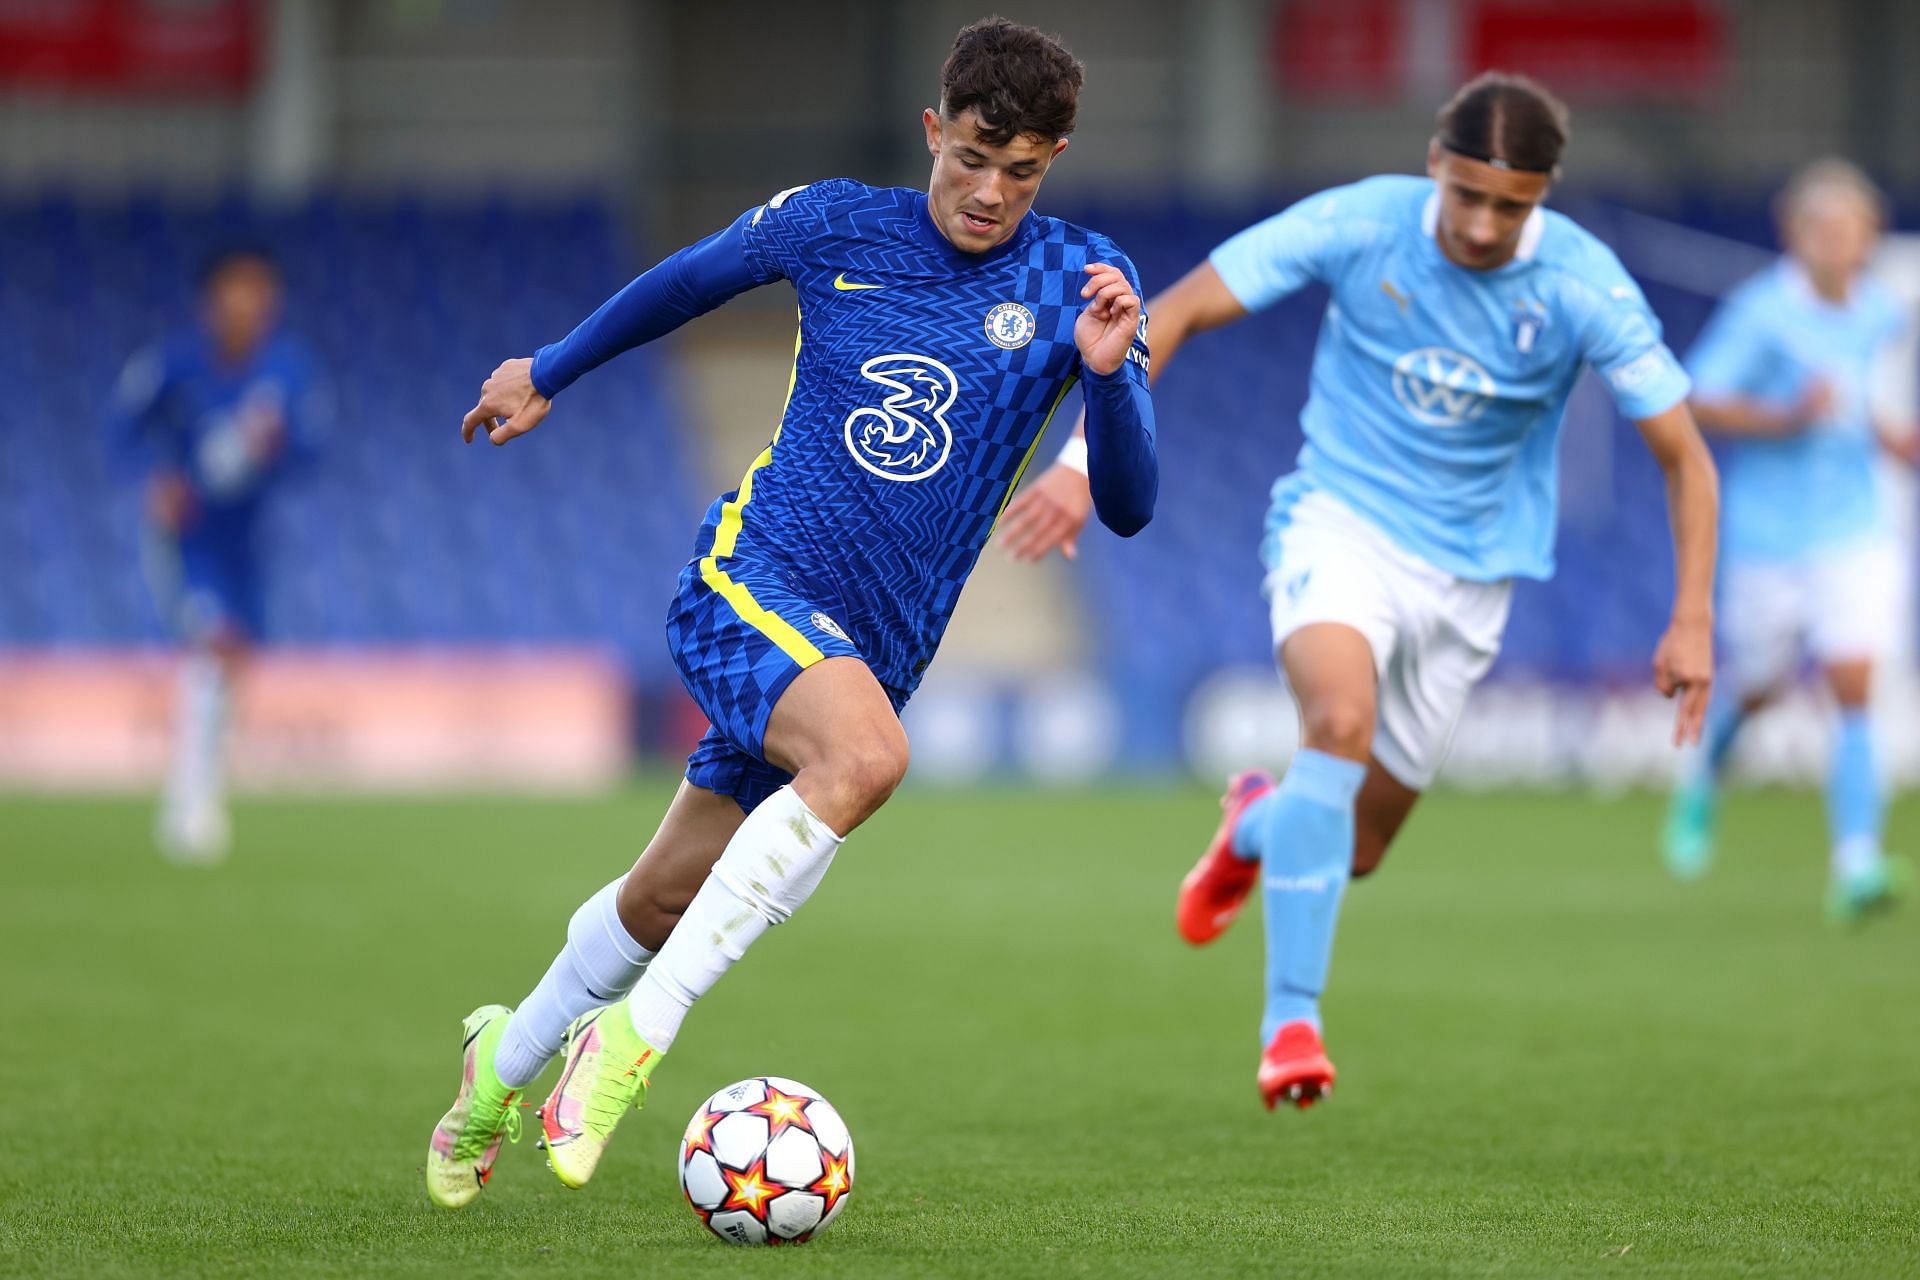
1770, 339
1437, 392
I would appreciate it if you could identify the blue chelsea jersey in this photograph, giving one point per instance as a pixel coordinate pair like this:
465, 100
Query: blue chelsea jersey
1437, 392
179, 407
923, 378
1770, 338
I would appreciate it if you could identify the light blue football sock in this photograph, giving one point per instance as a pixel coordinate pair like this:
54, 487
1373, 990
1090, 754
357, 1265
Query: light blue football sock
1306, 855
1854, 800
1724, 718
1245, 841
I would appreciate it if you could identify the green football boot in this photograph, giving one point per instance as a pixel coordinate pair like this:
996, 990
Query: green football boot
1851, 898
1687, 842
468, 1137
608, 1066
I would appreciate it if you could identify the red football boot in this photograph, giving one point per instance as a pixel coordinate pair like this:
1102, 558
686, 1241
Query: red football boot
1295, 1067
1217, 887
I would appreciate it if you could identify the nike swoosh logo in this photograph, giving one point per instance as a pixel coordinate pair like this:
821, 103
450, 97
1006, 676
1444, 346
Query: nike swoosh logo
844, 285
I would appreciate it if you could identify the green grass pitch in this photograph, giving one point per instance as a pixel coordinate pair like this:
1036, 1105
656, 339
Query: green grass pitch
1553, 1061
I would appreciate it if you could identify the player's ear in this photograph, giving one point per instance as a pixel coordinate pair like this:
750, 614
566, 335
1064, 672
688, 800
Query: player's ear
931, 119
1435, 156
1058, 147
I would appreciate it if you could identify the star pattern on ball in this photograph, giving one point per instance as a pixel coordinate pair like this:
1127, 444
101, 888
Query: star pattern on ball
783, 1111
699, 1134
834, 1183
750, 1190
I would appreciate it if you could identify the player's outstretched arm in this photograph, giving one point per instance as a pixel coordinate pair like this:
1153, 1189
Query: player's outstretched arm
1741, 416
1049, 514
1683, 662
690, 283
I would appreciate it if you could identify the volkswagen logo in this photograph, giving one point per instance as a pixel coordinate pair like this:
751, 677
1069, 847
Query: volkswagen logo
1442, 388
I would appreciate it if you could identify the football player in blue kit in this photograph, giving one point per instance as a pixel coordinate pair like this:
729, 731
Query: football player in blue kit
214, 420
1462, 313
939, 332
1786, 372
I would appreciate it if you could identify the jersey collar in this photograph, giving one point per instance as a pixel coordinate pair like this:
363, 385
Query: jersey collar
1799, 286
1530, 233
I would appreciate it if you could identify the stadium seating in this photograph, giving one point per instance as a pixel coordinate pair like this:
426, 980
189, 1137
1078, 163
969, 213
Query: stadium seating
402, 534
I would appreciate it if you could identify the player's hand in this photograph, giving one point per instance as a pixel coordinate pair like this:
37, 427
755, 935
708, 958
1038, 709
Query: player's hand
1902, 445
265, 435
1683, 668
1816, 402
1106, 327
509, 406
1048, 513
169, 501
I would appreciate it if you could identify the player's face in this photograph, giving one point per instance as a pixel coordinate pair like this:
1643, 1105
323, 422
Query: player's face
1832, 234
242, 304
1482, 209
980, 191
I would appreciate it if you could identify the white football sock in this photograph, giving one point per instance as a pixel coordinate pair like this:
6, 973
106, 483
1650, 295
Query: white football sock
598, 966
772, 865
196, 780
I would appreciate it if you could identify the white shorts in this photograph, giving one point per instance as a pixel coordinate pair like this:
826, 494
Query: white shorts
1837, 606
1433, 635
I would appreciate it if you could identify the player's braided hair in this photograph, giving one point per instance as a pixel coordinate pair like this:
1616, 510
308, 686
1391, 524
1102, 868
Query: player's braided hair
1020, 81
1506, 120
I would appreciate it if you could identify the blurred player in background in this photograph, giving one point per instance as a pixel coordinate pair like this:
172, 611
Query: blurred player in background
939, 331
1787, 371
1462, 315
214, 419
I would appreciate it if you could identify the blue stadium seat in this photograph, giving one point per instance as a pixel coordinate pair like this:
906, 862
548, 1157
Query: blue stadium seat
401, 534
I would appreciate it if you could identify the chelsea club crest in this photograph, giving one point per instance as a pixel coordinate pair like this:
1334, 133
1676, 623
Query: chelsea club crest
1010, 326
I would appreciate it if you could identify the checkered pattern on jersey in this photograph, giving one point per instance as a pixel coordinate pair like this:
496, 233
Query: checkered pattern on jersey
909, 424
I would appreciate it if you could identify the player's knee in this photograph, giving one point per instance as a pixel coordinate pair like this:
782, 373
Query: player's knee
869, 771
1852, 684
1339, 726
856, 777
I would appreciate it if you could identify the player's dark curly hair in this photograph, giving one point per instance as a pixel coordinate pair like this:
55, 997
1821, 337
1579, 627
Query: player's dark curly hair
232, 253
1020, 80
1507, 120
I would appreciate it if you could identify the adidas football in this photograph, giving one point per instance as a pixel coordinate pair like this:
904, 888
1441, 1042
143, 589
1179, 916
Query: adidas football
766, 1161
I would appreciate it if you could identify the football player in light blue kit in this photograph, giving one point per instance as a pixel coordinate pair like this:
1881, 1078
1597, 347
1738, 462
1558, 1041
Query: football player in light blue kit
1462, 315
1786, 370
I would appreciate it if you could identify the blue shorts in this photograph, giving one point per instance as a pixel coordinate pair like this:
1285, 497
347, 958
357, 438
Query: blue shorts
740, 633
207, 588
